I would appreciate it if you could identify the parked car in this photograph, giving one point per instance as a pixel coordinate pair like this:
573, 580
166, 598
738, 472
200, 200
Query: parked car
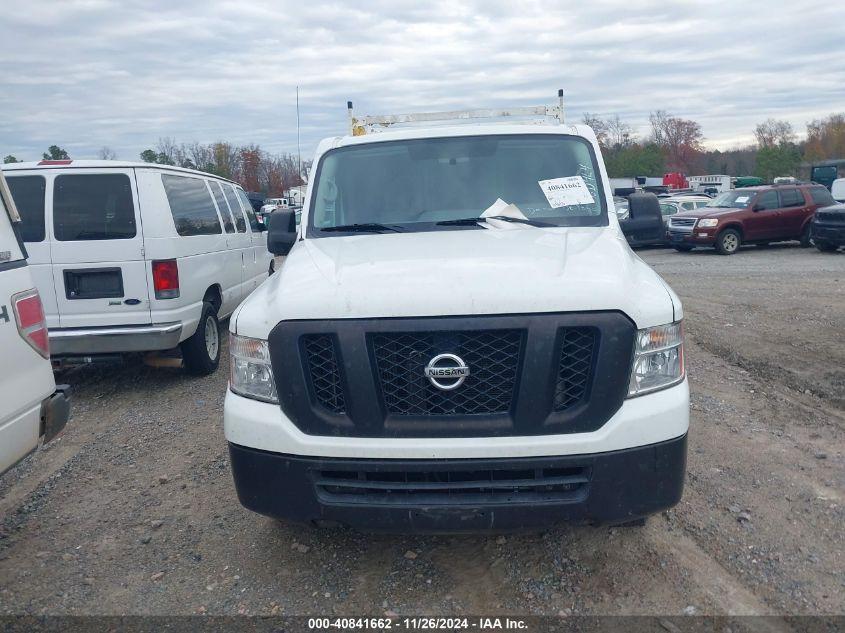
828, 228
751, 215
643, 226
34, 409
837, 189
458, 340
137, 257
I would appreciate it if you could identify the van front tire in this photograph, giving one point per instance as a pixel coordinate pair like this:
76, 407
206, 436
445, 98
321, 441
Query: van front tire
201, 352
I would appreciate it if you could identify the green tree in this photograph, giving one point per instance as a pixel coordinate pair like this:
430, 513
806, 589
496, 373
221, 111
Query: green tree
10, 159
151, 156
54, 152
778, 160
636, 160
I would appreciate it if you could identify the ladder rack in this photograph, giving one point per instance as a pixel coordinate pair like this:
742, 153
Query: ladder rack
371, 124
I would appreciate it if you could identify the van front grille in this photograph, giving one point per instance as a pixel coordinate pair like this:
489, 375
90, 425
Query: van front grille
326, 381
491, 355
528, 374
575, 368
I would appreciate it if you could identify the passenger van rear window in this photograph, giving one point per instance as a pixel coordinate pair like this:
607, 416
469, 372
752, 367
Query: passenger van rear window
28, 194
217, 190
250, 212
232, 199
93, 207
191, 205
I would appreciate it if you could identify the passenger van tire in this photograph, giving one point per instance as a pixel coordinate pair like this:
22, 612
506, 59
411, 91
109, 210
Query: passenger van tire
728, 242
201, 352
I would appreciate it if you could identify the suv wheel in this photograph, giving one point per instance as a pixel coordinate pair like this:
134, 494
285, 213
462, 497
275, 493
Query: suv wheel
826, 247
728, 242
201, 352
806, 240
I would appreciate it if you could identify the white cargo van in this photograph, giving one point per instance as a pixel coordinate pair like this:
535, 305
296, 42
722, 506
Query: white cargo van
460, 339
32, 408
135, 257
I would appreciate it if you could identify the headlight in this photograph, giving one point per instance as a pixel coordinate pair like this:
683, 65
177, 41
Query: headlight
658, 360
251, 374
707, 222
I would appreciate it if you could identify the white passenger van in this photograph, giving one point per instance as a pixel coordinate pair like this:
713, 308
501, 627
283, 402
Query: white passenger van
136, 257
459, 339
32, 408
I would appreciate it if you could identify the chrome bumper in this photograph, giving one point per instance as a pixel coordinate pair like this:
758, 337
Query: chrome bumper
112, 340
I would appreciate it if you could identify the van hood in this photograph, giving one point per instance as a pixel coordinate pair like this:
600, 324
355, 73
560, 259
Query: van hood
459, 272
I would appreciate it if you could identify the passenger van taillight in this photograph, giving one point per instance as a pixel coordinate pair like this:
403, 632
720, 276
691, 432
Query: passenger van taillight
166, 279
29, 316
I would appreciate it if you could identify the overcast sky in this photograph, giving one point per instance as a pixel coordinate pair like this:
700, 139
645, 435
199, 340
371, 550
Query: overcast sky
88, 73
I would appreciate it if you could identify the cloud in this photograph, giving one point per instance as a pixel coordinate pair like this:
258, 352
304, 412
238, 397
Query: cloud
92, 73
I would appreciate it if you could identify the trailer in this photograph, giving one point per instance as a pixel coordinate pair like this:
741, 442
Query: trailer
705, 184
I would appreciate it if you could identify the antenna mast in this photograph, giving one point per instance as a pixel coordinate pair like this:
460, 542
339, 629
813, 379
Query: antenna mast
298, 147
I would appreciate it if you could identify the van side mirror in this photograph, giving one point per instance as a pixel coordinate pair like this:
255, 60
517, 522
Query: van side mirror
643, 205
281, 232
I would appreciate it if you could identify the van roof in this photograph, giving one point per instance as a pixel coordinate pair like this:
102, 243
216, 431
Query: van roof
100, 164
403, 133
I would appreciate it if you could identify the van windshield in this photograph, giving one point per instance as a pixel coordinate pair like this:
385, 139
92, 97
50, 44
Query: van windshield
416, 185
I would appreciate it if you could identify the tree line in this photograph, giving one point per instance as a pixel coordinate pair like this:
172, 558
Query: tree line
673, 144
676, 144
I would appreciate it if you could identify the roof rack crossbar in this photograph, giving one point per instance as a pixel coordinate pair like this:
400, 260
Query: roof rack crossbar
368, 124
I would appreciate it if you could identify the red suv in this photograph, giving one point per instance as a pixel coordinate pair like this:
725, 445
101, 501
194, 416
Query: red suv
751, 215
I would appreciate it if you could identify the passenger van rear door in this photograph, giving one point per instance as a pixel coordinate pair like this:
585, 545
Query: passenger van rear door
29, 191
98, 249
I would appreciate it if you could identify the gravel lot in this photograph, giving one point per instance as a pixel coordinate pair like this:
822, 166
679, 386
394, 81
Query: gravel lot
133, 510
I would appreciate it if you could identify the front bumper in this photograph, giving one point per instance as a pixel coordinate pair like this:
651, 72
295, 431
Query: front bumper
462, 495
114, 340
698, 237
832, 234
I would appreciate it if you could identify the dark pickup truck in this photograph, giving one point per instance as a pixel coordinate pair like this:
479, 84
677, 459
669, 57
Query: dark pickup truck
751, 215
828, 228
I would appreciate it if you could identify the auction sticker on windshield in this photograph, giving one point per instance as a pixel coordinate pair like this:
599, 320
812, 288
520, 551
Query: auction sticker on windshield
564, 192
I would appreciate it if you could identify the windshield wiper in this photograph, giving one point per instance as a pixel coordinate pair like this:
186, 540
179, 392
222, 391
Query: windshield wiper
505, 218
460, 222
364, 227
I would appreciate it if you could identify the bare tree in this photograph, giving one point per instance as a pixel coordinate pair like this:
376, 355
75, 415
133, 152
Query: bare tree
619, 134
106, 153
679, 138
599, 127
773, 132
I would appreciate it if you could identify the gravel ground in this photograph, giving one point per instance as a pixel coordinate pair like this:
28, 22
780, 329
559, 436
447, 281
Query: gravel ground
133, 510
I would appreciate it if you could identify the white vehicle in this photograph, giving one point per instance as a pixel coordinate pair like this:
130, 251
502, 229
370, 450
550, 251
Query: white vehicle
837, 189
33, 409
137, 257
460, 339
718, 183
671, 205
